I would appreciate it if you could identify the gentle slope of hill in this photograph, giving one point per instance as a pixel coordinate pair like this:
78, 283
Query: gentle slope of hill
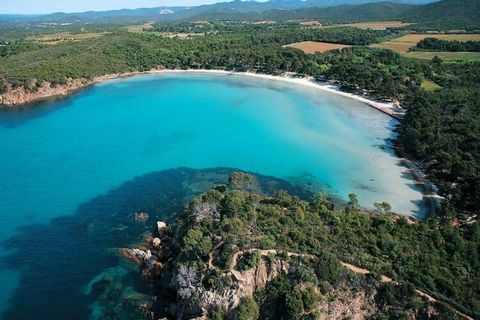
224, 10
337, 14
449, 14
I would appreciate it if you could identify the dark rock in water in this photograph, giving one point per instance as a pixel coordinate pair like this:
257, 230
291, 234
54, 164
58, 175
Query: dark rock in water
161, 226
99, 287
141, 216
156, 242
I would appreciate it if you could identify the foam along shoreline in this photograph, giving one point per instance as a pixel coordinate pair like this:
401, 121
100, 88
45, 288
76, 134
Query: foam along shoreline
391, 109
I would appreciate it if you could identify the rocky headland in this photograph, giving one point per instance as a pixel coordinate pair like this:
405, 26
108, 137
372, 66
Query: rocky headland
232, 255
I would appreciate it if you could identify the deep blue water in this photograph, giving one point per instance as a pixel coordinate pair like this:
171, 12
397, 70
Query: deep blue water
72, 172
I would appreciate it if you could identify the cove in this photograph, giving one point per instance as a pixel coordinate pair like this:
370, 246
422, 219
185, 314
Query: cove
59, 155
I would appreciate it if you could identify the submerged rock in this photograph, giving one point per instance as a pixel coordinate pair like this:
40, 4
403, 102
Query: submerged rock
141, 216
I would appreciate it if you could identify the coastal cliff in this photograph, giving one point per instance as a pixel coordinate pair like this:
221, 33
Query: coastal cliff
21, 95
46, 90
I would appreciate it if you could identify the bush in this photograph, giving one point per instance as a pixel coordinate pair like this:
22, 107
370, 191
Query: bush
294, 304
223, 256
309, 297
247, 310
328, 268
396, 295
196, 244
214, 280
249, 260
234, 203
217, 313
241, 181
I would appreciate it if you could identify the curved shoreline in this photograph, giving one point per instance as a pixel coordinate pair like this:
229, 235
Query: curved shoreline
390, 109
19, 97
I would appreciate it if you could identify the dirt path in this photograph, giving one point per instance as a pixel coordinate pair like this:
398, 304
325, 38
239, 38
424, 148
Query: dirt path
347, 266
385, 279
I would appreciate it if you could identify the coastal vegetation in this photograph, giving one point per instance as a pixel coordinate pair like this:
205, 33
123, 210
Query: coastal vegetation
228, 234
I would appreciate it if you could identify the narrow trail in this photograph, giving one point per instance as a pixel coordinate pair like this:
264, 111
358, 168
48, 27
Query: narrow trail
348, 266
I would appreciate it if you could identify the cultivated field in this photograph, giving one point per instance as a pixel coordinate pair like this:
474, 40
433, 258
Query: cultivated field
405, 43
55, 38
311, 23
313, 47
378, 25
137, 28
375, 25
180, 35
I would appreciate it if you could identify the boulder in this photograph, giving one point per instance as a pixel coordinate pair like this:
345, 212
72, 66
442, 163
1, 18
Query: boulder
156, 242
161, 226
142, 255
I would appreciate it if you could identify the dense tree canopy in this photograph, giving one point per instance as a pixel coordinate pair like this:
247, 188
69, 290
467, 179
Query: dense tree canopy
437, 258
433, 44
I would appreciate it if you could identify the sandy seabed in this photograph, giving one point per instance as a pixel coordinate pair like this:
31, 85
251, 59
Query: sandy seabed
391, 109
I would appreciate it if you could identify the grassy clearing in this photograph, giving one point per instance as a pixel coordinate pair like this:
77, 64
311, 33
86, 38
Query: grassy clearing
311, 23
180, 35
445, 56
313, 47
405, 43
428, 85
375, 25
138, 28
56, 38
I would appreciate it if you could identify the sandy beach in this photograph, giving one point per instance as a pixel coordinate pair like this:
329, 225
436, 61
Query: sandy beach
20, 96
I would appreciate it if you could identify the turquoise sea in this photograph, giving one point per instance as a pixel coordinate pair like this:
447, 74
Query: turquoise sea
73, 172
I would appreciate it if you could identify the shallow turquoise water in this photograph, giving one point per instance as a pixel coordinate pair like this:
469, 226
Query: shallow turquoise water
56, 156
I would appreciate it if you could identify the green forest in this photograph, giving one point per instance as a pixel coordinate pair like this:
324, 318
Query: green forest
432, 44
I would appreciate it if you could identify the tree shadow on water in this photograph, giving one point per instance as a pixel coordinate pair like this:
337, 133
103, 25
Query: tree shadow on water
58, 260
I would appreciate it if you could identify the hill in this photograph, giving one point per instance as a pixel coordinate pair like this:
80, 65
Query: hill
442, 15
447, 14
236, 9
336, 14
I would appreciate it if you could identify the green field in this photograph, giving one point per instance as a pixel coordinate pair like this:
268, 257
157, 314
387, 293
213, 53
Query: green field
405, 43
445, 56
429, 85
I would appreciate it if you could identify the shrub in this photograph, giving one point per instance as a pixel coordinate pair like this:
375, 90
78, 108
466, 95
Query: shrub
247, 310
294, 304
249, 260
328, 268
